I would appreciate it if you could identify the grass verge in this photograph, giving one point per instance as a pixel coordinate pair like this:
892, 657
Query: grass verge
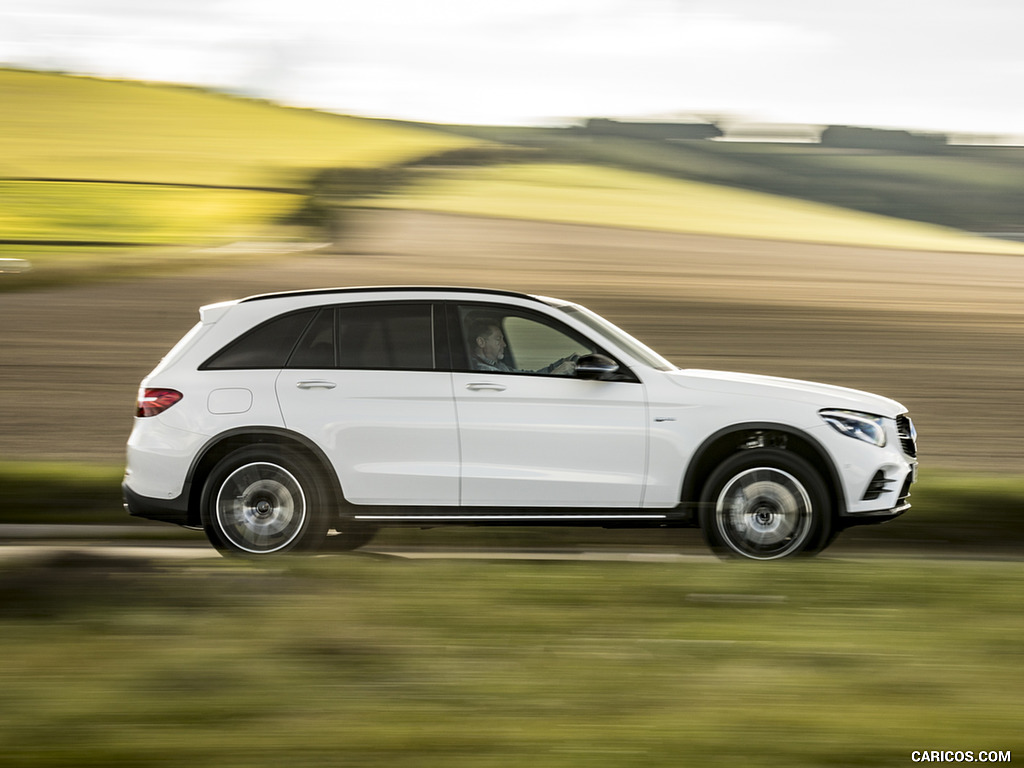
952, 513
55, 492
383, 662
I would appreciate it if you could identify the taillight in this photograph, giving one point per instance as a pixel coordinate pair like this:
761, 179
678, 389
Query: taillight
154, 401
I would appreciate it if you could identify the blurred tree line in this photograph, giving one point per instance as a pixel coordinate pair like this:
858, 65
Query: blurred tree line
331, 194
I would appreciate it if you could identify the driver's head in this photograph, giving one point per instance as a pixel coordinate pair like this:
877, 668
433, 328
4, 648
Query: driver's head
487, 340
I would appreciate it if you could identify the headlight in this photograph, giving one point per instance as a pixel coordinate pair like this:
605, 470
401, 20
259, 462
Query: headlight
863, 426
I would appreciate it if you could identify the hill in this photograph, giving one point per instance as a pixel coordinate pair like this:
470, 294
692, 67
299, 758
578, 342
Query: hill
62, 126
91, 170
974, 188
609, 196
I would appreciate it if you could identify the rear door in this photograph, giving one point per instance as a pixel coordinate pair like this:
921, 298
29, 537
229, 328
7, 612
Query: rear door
364, 383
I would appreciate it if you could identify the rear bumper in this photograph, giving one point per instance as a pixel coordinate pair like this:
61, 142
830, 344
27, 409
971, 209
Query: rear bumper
163, 510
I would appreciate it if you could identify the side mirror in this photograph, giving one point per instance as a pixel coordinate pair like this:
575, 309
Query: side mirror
596, 367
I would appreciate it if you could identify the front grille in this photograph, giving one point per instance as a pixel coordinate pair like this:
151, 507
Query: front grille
908, 435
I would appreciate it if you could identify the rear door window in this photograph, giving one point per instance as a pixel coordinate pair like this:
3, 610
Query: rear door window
386, 337
316, 348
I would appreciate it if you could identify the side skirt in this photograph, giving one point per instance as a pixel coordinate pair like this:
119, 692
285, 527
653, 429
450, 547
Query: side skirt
505, 516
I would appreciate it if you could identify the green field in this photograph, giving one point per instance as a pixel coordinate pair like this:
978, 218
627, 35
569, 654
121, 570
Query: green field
582, 194
59, 126
90, 168
363, 661
119, 214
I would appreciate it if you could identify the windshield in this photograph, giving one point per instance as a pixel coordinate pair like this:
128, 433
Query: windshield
635, 349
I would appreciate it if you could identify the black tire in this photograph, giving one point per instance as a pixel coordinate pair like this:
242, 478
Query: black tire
264, 500
765, 504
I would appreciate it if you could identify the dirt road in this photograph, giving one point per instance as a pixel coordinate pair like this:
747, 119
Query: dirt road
941, 332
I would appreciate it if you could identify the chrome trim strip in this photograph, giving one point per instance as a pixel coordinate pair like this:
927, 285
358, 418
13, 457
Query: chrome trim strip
510, 517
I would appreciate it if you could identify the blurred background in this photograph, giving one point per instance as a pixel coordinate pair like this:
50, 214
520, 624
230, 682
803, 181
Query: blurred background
826, 193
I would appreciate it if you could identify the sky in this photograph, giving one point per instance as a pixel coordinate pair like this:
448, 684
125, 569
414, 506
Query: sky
930, 65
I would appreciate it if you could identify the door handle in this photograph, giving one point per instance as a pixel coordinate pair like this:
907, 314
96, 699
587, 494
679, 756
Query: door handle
478, 386
316, 384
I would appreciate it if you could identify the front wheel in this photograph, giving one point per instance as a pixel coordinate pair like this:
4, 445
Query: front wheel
264, 500
765, 505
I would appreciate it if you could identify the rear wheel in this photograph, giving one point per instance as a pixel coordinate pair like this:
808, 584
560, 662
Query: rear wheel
264, 500
765, 505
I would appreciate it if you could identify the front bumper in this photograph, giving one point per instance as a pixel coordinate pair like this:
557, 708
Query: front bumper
876, 481
874, 518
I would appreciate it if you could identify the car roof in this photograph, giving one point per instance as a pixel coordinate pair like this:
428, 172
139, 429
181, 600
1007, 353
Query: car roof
388, 289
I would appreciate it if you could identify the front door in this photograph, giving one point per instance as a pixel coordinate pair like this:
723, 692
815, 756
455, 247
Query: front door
531, 433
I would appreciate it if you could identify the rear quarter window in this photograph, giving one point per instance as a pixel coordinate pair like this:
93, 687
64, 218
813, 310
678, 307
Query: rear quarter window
268, 345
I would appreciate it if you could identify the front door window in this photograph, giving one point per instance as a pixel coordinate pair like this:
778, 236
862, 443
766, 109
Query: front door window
501, 341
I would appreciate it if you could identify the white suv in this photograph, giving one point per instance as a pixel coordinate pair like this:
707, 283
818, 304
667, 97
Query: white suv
282, 420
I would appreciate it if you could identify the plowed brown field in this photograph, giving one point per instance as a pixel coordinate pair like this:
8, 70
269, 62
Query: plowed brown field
941, 332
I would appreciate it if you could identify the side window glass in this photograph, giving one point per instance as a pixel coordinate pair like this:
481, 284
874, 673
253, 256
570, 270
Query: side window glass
386, 337
265, 346
500, 341
536, 345
316, 347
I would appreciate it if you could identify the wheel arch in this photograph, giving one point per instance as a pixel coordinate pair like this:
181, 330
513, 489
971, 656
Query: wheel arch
227, 442
749, 436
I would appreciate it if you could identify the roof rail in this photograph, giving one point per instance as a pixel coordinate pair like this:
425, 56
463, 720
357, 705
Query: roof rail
379, 288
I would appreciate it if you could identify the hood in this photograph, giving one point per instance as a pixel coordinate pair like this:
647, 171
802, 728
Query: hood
809, 392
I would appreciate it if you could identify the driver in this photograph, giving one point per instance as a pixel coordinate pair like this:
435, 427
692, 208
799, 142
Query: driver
487, 348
